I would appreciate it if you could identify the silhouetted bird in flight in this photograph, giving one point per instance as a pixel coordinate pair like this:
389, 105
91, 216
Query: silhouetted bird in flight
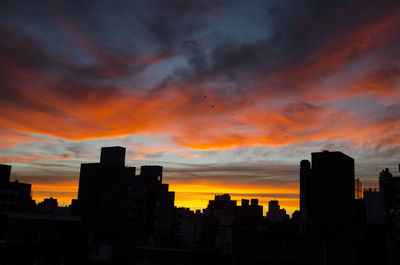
190, 42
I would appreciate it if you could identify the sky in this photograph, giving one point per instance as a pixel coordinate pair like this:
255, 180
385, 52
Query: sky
228, 96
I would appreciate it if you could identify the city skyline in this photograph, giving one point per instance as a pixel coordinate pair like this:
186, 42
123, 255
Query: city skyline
237, 197
124, 217
227, 95
208, 195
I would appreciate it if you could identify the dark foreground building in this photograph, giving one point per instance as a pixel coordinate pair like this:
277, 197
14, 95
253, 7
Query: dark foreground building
37, 238
328, 203
326, 231
35, 235
14, 196
389, 189
124, 218
122, 210
327, 192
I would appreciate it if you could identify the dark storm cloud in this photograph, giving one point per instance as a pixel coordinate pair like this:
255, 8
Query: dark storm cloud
115, 40
299, 31
314, 35
116, 35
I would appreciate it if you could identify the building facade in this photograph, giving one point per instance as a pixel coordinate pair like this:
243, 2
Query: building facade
115, 203
14, 196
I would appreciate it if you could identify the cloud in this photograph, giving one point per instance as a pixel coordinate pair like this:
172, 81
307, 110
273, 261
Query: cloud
29, 158
314, 75
10, 138
277, 90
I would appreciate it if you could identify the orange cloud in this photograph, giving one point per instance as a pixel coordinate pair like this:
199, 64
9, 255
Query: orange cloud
188, 155
199, 114
334, 56
256, 98
298, 122
10, 138
30, 158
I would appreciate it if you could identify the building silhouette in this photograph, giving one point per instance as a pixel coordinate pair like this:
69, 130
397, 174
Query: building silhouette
121, 217
116, 205
14, 196
383, 205
305, 192
48, 205
249, 212
188, 228
5, 173
375, 213
327, 203
102, 192
389, 187
220, 215
275, 213
154, 203
327, 192
34, 235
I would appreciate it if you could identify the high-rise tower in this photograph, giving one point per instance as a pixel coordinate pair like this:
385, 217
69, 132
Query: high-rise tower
114, 202
332, 192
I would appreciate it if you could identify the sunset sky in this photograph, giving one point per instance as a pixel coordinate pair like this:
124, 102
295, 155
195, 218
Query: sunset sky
228, 96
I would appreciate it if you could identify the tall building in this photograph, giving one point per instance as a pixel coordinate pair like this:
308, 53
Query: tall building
220, 212
249, 213
188, 228
275, 214
5, 173
14, 196
48, 205
375, 213
221, 205
305, 190
115, 202
327, 196
389, 186
159, 207
103, 190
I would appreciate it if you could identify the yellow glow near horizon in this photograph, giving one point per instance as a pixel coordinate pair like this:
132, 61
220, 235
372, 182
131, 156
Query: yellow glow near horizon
197, 196
64, 193
193, 195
